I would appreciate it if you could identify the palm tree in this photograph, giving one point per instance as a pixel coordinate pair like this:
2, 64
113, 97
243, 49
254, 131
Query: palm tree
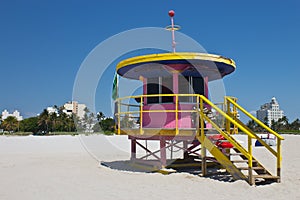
274, 125
71, 124
53, 121
44, 121
295, 125
266, 121
76, 126
63, 121
100, 116
285, 122
10, 124
251, 124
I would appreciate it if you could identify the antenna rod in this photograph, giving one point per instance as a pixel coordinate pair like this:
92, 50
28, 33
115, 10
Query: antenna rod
171, 14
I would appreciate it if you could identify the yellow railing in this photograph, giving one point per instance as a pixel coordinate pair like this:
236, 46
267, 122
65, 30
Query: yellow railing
234, 114
226, 134
140, 111
229, 101
177, 101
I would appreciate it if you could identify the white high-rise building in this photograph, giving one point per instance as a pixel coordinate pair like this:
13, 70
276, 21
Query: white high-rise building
15, 114
270, 111
75, 107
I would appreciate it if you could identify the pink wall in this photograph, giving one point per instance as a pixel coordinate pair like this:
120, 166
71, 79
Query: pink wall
167, 119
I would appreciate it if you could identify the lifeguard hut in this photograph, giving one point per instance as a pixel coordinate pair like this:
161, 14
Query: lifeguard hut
175, 111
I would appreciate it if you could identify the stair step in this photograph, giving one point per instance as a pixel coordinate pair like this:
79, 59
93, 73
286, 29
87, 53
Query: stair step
254, 168
266, 176
237, 154
243, 161
234, 154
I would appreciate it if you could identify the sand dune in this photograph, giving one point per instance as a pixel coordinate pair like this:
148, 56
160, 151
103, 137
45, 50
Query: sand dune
66, 167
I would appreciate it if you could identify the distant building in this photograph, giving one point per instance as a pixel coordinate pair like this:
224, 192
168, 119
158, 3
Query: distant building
15, 114
74, 107
270, 111
52, 110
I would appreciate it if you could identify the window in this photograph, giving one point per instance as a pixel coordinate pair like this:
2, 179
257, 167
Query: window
167, 88
164, 85
160, 85
152, 88
190, 85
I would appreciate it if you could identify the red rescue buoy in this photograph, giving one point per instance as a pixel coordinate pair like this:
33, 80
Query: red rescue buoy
217, 137
225, 145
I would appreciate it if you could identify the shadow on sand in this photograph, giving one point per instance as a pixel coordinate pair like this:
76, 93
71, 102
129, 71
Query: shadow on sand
214, 171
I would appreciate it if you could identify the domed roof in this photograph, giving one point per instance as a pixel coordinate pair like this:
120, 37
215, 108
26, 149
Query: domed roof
187, 63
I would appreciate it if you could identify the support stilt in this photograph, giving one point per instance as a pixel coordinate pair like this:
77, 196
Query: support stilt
133, 149
203, 166
185, 152
163, 154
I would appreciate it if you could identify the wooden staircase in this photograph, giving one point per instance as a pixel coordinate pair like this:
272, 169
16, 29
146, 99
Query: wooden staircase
259, 173
236, 159
237, 164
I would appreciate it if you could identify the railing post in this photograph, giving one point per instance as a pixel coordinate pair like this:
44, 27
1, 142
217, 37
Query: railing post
234, 110
119, 121
176, 114
197, 117
202, 137
250, 162
201, 120
228, 113
279, 159
141, 116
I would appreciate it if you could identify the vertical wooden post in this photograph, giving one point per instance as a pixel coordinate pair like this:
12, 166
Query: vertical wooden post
175, 99
206, 92
185, 146
163, 154
133, 149
202, 137
197, 116
234, 111
279, 160
141, 116
203, 164
119, 120
176, 114
144, 89
175, 82
250, 162
228, 113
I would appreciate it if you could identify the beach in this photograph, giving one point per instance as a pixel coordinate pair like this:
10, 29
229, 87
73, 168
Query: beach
68, 167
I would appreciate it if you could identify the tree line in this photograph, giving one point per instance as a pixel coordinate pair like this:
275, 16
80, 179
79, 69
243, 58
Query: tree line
59, 121
282, 125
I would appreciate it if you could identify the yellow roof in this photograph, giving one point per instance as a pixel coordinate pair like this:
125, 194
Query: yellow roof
202, 63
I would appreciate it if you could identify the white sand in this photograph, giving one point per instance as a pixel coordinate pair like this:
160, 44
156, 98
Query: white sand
59, 167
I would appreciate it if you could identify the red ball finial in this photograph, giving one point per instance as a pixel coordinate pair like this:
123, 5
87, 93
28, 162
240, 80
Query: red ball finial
171, 13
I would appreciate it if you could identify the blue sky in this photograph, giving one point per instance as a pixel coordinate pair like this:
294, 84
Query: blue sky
43, 43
